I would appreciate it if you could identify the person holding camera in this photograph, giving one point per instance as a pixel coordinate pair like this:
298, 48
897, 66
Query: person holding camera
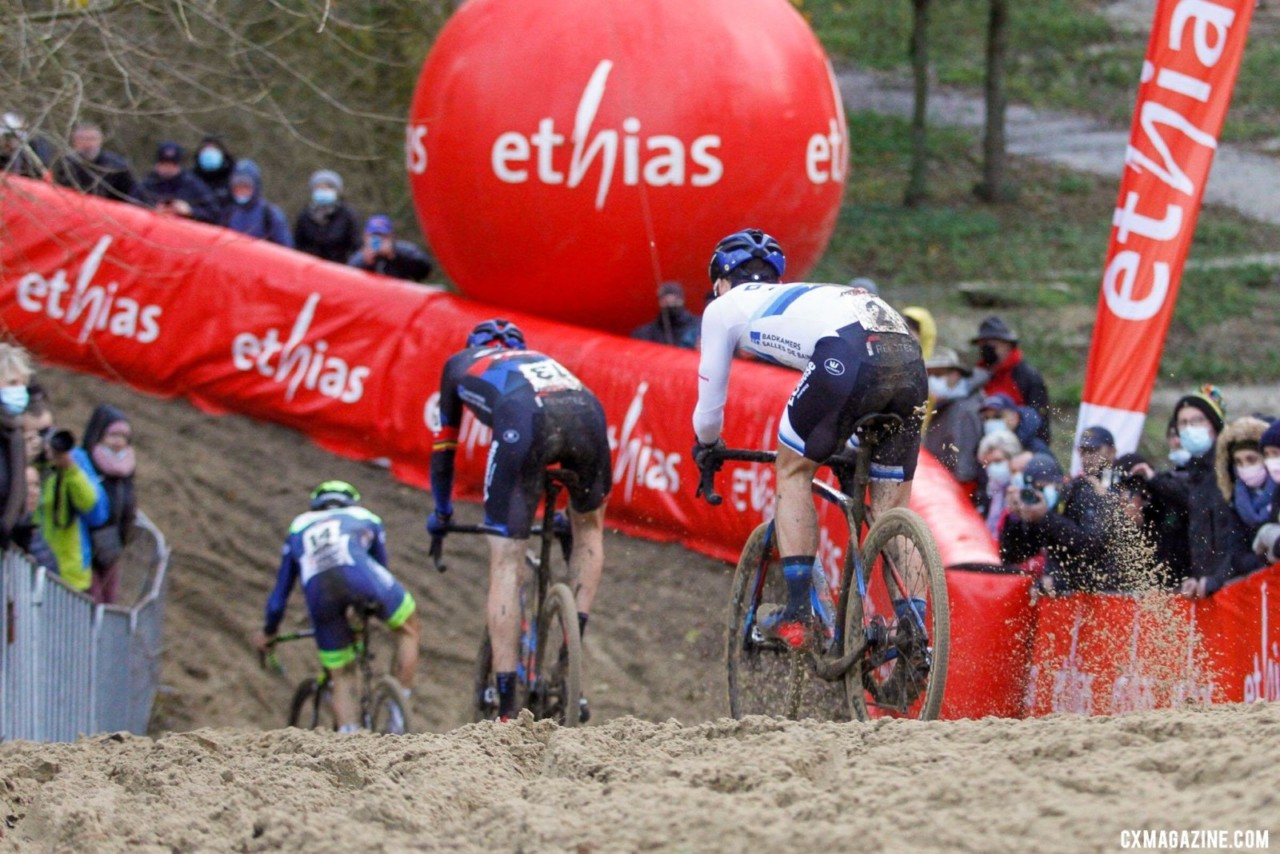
72, 502
383, 254
1070, 523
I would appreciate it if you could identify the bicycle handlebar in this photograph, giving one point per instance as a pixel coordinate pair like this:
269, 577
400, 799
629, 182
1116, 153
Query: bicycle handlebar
713, 461
268, 658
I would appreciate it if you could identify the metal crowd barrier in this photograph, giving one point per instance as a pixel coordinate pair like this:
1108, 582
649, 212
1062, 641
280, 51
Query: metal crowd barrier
69, 667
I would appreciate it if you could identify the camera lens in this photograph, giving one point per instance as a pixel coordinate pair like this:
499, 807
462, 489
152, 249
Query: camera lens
62, 441
1030, 496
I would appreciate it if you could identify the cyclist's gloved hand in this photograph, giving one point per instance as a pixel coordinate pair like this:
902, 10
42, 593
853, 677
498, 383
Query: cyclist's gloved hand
438, 523
702, 454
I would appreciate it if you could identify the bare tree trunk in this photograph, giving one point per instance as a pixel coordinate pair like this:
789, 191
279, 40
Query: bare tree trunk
919, 52
994, 186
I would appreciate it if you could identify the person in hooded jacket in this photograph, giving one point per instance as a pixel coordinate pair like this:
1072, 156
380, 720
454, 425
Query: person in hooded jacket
15, 374
327, 227
213, 165
250, 212
1242, 477
1023, 421
108, 439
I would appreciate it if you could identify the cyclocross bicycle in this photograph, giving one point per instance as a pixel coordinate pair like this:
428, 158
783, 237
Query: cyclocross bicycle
847, 667
549, 664
382, 707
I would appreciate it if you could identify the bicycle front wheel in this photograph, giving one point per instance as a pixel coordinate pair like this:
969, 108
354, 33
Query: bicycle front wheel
903, 671
557, 684
311, 706
387, 713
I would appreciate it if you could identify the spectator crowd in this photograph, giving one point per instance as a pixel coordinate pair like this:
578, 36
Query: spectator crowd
213, 185
71, 507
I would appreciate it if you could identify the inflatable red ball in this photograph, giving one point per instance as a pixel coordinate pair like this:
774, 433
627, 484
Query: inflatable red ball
567, 156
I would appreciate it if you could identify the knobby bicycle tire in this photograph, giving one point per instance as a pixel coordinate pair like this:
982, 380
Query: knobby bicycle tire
763, 678
310, 707
894, 523
558, 662
386, 712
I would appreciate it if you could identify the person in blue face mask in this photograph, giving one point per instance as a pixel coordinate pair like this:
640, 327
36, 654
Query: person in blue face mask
213, 165
954, 428
15, 375
1217, 541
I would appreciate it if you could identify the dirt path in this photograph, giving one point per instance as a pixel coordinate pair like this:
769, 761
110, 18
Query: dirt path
224, 489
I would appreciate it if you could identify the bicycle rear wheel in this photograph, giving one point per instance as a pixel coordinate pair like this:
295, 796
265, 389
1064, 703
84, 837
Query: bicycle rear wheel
311, 706
901, 674
557, 671
765, 676
387, 713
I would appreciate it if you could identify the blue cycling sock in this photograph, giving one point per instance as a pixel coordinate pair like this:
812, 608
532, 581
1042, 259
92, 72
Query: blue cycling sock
582, 623
506, 694
798, 571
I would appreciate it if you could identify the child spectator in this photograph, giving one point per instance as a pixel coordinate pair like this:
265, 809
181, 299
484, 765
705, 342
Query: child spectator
327, 227
26, 534
108, 438
252, 214
385, 255
171, 189
213, 166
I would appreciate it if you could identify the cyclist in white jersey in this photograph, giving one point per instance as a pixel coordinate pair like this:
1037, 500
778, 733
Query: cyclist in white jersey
857, 358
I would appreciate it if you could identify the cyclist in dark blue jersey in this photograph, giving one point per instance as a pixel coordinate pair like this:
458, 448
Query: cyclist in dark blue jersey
540, 414
339, 551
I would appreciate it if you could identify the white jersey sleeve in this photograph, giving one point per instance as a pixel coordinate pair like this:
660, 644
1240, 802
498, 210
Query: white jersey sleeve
723, 323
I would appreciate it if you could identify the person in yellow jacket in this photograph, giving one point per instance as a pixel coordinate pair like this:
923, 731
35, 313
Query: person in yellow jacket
71, 502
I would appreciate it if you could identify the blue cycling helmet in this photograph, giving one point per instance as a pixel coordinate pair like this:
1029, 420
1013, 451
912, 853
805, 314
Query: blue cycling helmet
334, 493
733, 254
496, 333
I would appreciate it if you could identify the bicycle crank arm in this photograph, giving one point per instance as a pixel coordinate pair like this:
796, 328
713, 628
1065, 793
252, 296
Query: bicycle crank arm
832, 669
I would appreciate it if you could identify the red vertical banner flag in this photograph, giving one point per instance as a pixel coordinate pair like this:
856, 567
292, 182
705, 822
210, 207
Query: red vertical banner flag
1190, 69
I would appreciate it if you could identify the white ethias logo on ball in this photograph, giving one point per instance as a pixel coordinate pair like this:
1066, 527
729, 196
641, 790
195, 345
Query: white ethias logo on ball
299, 364
660, 160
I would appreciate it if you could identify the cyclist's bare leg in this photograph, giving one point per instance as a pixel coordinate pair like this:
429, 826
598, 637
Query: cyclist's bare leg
407, 650
886, 494
505, 559
346, 705
795, 516
586, 563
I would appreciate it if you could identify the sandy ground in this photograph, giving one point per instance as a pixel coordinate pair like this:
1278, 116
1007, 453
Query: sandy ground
657, 769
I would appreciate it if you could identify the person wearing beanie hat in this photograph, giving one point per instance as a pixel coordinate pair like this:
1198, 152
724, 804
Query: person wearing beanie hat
213, 165
1003, 369
174, 191
250, 212
327, 227
1268, 535
1218, 548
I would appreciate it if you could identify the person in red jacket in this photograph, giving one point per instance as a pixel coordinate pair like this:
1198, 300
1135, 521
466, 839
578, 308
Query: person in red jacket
1001, 359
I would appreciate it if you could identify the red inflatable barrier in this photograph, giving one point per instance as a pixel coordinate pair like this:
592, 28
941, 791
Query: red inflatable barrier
1100, 654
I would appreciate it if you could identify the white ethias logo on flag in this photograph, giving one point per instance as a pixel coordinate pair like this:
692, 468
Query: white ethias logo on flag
99, 307
300, 364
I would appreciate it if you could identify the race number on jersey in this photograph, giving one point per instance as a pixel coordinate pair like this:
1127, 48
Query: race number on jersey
875, 315
549, 375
